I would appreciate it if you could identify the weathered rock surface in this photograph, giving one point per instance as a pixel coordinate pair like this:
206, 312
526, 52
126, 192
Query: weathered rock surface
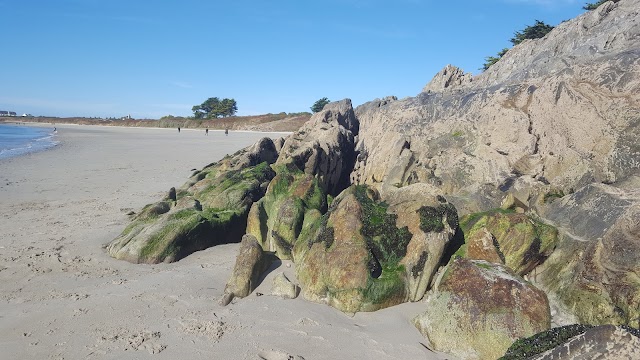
550, 129
515, 240
449, 77
479, 309
250, 264
595, 271
557, 110
605, 342
324, 146
432, 222
578, 342
210, 209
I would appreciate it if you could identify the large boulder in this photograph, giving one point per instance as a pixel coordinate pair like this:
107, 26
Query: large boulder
324, 146
361, 256
209, 209
479, 309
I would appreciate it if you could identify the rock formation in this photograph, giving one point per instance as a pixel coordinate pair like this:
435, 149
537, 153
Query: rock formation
210, 209
538, 156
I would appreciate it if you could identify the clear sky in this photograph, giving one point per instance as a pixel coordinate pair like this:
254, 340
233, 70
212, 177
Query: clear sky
154, 58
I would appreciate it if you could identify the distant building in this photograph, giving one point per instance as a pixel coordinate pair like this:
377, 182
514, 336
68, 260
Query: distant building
12, 113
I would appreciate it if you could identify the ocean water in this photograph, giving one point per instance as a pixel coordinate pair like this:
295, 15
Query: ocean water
20, 140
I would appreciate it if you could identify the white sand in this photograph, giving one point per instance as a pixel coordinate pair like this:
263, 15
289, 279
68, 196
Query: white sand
62, 297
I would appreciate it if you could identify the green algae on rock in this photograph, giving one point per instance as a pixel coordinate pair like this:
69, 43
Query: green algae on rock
350, 257
210, 209
277, 219
516, 240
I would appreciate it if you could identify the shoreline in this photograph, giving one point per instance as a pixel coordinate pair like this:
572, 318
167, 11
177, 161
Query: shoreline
62, 296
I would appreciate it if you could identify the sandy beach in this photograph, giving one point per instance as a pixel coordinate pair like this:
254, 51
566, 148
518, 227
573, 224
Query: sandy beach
62, 297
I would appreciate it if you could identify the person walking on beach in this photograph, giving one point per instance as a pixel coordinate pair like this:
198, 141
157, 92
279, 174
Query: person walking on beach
206, 132
226, 131
178, 129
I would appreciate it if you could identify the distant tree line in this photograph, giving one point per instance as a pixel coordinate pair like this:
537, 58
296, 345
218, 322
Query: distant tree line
215, 108
535, 31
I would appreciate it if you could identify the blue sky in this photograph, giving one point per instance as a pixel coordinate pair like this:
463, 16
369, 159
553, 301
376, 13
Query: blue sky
155, 58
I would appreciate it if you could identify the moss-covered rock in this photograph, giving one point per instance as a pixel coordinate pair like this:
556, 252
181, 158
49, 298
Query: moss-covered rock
277, 219
594, 273
210, 209
433, 223
479, 309
501, 236
251, 262
350, 257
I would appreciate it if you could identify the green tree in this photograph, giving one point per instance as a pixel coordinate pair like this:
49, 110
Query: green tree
215, 108
593, 6
319, 105
490, 60
535, 31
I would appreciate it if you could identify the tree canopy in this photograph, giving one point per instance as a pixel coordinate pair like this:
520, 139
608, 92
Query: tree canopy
319, 105
490, 60
215, 108
593, 6
535, 31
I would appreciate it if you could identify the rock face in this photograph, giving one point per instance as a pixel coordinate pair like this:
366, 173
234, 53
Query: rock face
324, 146
552, 126
594, 271
210, 209
449, 77
250, 264
479, 309
512, 239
